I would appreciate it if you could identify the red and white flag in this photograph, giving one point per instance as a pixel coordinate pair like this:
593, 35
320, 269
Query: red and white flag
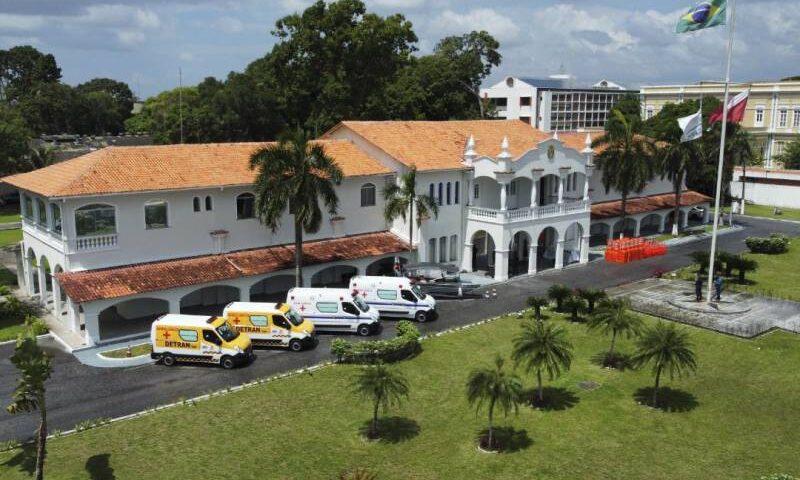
736, 108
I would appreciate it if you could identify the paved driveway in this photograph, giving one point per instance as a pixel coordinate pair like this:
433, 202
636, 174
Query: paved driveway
77, 392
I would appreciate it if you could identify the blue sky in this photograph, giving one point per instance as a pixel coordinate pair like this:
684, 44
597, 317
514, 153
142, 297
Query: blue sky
143, 42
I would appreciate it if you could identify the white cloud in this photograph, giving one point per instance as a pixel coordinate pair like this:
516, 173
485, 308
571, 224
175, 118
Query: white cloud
501, 27
119, 16
21, 23
229, 24
130, 37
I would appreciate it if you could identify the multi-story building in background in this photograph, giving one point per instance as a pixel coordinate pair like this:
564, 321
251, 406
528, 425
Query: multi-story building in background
772, 116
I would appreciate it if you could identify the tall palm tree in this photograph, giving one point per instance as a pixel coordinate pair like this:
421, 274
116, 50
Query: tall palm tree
402, 198
615, 317
295, 173
542, 347
537, 303
673, 160
29, 395
592, 296
667, 348
383, 385
626, 160
496, 387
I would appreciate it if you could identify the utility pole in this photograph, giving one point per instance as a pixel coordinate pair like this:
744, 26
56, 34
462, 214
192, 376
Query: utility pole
180, 101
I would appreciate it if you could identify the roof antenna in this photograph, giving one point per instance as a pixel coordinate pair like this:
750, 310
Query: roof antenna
180, 100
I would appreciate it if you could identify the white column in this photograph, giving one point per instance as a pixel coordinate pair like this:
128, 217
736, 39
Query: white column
56, 298
29, 287
244, 294
685, 218
610, 232
585, 249
42, 284
74, 316
466, 259
561, 181
707, 214
637, 227
501, 265
662, 223
175, 305
468, 182
533, 251
559, 255
92, 323
534, 192
503, 197
18, 254
585, 188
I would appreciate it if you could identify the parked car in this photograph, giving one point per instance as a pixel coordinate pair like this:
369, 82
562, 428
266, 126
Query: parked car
697, 213
440, 280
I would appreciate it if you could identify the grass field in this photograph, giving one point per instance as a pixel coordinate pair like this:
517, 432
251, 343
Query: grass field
768, 212
10, 329
689, 233
9, 237
777, 275
735, 419
9, 213
136, 350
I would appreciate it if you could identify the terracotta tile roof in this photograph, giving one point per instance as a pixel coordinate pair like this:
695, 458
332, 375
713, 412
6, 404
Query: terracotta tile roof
440, 145
91, 285
169, 167
646, 204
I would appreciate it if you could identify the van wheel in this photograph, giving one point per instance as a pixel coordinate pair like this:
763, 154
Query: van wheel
168, 359
421, 316
227, 363
295, 345
364, 330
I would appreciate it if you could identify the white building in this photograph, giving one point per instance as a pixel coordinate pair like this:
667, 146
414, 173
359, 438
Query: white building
555, 103
116, 237
775, 188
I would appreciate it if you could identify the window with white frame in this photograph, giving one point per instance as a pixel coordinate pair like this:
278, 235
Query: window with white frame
511, 188
432, 250
778, 148
476, 191
155, 214
796, 118
449, 193
441, 194
457, 193
209, 203
55, 212
432, 192
245, 206
453, 248
196, 204
368, 195
649, 113
95, 219
759, 120
783, 115
27, 207
442, 249
41, 209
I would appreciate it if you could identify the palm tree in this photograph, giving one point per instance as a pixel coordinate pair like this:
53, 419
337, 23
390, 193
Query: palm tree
743, 265
537, 303
542, 347
401, 199
295, 173
615, 317
496, 387
575, 305
29, 395
383, 385
558, 293
667, 348
673, 160
625, 161
592, 296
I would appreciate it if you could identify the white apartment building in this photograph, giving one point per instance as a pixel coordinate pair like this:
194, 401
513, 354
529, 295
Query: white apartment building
554, 103
119, 236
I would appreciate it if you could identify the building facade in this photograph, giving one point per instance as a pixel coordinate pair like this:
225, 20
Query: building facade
117, 237
772, 116
553, 104
772, 187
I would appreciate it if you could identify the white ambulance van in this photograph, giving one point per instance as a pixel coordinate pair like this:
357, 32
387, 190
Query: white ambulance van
272, 325
335, 310
395, 297
198, 338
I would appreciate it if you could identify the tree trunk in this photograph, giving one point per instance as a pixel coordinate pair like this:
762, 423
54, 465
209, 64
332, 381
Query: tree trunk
374, 428
624, 214
741, 275
677, 212
298, 253
491, 427
411, 227
613, 340
538, 313
655, 390
41, 439
539, 382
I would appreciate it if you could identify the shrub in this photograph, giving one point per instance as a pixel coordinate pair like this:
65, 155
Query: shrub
404, 345
4, 290
776, 243
14, 310
37, 325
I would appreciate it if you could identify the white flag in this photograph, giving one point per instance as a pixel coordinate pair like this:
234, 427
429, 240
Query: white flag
692, 126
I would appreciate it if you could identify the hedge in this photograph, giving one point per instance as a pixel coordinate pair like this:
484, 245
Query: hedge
404, 345
776, 243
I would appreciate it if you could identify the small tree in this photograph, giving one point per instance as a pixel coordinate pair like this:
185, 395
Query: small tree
35, 368
575, 305
558, 293
701, 258
383, 385
744, 265
667, 348
402, 198
592, 297
496, 387
727, 259
615, 317
537, 303
542, 347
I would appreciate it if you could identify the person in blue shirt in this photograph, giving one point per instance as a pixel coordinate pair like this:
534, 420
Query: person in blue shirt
718, 283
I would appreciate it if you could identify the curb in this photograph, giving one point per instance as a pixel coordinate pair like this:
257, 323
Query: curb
38, 337
795, 222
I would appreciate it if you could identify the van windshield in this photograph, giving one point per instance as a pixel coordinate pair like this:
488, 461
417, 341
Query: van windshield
417, 292
294, 317
360, 303
227, 332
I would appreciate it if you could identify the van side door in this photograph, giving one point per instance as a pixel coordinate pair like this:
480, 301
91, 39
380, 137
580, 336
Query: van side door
212, 344
281, 330
389, 302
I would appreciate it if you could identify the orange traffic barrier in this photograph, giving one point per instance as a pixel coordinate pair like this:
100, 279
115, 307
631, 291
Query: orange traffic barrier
625, 250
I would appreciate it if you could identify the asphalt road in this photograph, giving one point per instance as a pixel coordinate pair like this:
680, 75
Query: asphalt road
77, 392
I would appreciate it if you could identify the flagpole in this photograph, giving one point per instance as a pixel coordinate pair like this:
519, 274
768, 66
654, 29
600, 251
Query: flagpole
721, 165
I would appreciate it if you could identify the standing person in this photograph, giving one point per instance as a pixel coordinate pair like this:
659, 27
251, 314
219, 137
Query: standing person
718, 287
698, 286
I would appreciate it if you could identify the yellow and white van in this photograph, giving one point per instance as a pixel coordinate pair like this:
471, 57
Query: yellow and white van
335, 310
271, 324
395, 297
198, 338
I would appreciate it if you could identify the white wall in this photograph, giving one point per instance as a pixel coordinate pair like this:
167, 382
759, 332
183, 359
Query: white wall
786, 196
597, 192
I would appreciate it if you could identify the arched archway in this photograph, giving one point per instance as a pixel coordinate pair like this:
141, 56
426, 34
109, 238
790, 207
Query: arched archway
483, 252
32, 267
519, 249
599, 234
548, 189
337, 276
385, 266
130, 317
548, 245
485, 193
272, 289
650, 225
626, 227
669, 221
520, 193
573, 243
209, 300
59, 295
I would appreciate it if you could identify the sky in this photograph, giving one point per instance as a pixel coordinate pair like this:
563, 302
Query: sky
631, 42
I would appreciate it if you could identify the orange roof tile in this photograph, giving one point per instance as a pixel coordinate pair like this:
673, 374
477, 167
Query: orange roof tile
91, 285
646, 204
432, 145
169, 167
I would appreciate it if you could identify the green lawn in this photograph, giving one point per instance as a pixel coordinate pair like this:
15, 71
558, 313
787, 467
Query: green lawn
136, 350
689, 232
735, 419
9, 213
768, 212
10, 237
777, 275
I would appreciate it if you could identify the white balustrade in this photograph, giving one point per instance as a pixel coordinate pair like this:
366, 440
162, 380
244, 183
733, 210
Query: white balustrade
96, 242
490, 215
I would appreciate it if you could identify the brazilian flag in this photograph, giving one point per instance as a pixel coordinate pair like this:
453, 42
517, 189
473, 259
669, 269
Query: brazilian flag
704, 15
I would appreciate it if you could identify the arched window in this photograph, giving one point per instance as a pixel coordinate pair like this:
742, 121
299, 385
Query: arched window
457, 194
55, 212
453, 248
368, 195
209, 203
155, 215
430, 193
449, 192
245, 206
95, 219
196, 204
441, 196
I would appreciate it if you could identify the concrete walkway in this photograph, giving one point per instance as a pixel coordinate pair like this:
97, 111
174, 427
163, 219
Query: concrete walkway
93, 358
